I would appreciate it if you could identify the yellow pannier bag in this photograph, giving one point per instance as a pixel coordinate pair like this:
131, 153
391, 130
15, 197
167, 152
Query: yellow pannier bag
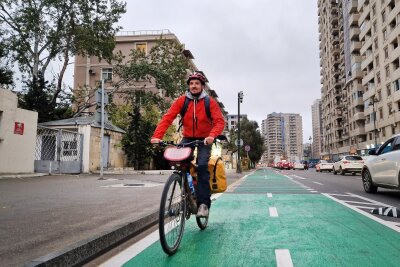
216, 168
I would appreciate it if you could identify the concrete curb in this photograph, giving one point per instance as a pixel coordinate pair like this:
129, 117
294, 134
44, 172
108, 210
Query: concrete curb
82, 252
155, 172
22, 175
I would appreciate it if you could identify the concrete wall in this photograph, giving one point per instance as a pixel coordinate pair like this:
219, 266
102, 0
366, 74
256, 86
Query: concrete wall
117, 157
17, 152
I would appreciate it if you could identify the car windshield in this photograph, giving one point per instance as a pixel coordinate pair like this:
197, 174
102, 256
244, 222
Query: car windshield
323, 161
354, 158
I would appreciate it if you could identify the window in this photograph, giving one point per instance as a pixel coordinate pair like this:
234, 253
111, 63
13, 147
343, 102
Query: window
106, 74
386, 147
380, 113
383, 16
373, 10
141, 47
390, 110
398, 105
377, 61
376, 43
388, 90
383, 132
396, 85
379, 95
374, 27
386, 52
387, 72
378, 78
385, 34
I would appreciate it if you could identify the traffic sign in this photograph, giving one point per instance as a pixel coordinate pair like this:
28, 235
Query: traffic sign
237, 143
247, 148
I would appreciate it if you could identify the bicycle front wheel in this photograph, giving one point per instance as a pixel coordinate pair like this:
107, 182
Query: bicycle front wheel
172, 214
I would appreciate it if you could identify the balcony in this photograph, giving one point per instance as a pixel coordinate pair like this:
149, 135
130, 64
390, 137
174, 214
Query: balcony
358, 131
353, 6
369, 127
355, 46
359, 116
358, 102
354, 32
366, 61
368, 77
365, 46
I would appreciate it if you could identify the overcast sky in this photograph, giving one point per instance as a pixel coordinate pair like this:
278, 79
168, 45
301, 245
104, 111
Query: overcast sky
266, 48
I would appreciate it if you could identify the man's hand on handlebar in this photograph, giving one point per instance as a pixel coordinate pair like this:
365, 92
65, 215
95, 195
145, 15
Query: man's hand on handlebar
208, 140
155, 141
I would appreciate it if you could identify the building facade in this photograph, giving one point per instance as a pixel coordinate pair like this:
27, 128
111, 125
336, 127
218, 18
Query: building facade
89, 71
283, 135
316, 129
359, 59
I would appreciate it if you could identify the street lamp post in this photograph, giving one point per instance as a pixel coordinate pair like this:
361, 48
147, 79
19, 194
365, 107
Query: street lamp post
372, 102
310, 147
240, 100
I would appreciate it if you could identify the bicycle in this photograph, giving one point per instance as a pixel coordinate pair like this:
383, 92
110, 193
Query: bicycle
177, 201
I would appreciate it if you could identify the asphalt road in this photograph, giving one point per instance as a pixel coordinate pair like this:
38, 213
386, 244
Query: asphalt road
327, 182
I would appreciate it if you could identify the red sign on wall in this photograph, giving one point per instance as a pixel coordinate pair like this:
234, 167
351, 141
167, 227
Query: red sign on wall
19, 128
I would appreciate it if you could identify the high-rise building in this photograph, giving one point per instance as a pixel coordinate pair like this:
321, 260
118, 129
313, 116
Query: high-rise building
380, 36
316, 129
359, 58
283, 135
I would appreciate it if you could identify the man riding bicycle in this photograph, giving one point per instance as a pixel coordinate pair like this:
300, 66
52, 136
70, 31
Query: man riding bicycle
196, 125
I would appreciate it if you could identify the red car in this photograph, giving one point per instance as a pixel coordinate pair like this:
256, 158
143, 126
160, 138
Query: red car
285, 165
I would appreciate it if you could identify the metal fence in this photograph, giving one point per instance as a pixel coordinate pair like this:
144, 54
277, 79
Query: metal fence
58, 151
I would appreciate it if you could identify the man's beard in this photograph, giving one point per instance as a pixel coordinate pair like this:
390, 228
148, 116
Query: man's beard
196, 94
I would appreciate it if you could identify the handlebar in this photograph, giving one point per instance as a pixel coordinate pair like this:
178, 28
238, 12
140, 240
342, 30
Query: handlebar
194, 143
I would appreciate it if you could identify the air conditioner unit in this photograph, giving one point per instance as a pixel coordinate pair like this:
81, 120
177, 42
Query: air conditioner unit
92, 72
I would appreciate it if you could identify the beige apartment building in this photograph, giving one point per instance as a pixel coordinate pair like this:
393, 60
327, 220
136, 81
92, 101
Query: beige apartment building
316, 129
89, 71
283, 135
360, 77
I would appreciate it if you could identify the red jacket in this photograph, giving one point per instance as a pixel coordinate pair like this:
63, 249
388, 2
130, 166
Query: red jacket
202, 127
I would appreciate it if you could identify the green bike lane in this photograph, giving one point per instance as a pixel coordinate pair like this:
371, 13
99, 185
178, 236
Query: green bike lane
268, 214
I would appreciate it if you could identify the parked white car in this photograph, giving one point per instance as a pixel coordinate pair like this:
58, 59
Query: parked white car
298, 166
382, 168
324, 165
348, 164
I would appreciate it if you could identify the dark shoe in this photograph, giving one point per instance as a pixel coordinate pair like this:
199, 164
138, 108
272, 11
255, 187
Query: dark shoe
202, 212
192, 206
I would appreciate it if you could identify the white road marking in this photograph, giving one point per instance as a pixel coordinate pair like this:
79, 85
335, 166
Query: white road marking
391, 225
340, 195
364, 207
357, 202
313, 191
283, 258
133, 185
273, 212
129, 253
317, 183
269, 194
370, 200
299, 177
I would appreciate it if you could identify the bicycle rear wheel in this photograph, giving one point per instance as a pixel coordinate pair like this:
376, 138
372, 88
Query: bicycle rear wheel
172, 214
202, 222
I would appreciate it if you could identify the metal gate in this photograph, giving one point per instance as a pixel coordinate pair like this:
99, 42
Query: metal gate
58, 151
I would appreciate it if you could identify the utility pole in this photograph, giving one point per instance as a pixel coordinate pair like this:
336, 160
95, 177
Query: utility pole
240, 100
373, 101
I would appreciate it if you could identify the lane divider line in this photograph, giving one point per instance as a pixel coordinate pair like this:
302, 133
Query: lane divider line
317, 183
283, 258
385, 223
273, 212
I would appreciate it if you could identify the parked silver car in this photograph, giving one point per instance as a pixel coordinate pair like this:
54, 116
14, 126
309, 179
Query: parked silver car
382, 167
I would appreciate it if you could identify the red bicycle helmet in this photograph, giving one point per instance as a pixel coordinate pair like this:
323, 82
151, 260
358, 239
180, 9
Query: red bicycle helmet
197, 76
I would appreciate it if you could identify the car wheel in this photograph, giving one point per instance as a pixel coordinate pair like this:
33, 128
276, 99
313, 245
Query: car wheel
334, 172
342, 172
367, 182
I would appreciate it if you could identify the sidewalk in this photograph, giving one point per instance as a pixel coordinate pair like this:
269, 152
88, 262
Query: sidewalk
70, 217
